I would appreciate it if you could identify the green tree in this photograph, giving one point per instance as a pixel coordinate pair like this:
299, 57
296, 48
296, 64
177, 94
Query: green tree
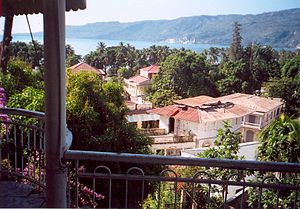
96, 115
235, 78
184, 74
236, 48
286, 88
19, 76
279, 142
71, 58
29, 98
291, 68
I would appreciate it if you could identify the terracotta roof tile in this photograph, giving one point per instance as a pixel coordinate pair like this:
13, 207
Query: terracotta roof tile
166, 111
151, 69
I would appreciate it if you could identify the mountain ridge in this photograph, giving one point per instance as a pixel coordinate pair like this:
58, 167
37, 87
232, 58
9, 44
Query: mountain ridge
278, 29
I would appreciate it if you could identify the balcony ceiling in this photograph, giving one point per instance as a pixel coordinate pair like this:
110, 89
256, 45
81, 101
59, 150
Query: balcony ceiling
21, 7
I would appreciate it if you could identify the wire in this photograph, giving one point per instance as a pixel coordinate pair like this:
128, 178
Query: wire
33, 41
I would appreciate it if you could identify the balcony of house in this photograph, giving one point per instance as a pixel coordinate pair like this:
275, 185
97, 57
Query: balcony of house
121, 180
254, 121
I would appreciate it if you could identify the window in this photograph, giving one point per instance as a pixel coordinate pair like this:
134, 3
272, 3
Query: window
150, 124
252, 118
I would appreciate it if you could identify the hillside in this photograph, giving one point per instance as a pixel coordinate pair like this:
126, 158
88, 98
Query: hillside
278, 29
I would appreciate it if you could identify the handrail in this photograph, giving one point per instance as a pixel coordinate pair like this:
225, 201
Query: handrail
166, 160
22, 112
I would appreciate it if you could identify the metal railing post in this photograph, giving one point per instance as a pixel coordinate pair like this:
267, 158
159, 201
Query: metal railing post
55, 84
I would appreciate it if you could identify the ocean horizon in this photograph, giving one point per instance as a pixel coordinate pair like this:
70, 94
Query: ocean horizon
84, 46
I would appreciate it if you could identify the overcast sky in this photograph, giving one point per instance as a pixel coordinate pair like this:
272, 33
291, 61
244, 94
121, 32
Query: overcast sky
136, 10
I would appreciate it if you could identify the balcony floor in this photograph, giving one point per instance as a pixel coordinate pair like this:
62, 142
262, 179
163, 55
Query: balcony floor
16, 195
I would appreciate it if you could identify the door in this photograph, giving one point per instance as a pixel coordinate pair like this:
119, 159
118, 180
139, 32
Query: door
171, 125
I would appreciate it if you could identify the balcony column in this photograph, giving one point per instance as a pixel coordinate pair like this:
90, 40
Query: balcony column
55, 84
260, 122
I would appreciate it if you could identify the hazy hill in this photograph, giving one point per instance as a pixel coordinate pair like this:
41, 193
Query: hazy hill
279, 29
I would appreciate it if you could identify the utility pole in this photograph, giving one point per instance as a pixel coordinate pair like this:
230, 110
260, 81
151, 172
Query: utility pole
55, 88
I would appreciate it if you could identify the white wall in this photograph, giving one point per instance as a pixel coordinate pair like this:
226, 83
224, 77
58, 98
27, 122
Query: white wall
164, 123
144, 73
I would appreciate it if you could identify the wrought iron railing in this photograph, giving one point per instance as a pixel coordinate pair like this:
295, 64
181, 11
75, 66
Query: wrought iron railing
181, 182
22, 146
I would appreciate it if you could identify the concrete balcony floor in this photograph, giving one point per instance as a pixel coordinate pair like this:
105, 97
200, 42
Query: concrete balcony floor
17, 195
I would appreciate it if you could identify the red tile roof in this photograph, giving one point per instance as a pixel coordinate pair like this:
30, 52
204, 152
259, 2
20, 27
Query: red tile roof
166, 111
199, 115
151, 69
138, 80
205, 108
86, 67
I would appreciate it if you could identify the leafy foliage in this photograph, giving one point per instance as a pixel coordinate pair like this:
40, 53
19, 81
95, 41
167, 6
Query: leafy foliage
29, 98
20, 75
279, 142
182, 75
97, 118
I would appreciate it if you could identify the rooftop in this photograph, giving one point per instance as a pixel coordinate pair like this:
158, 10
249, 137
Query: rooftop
260, 104
86, 67
195, 101
138, 80
204, 108
151, 69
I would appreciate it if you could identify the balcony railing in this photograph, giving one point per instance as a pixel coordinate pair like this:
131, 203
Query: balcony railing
120, 180
130, 187
253, 125
22, 146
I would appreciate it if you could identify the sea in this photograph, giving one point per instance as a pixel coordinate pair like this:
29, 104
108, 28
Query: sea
84, 46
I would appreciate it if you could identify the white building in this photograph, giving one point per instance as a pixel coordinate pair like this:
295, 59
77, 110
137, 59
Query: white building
198, 119
136, 86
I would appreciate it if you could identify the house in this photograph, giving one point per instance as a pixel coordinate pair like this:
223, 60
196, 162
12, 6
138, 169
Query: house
136, 86
82, 66
198, 119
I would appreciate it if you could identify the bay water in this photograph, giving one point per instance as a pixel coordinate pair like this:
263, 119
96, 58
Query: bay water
84, 46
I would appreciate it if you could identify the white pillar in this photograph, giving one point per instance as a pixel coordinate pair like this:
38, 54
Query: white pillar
55, 84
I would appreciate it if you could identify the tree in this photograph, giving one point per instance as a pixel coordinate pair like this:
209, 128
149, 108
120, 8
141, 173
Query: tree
19, 76
184, 74
235, 78
31, 53
286, 88
71, 58
236, 48
96, 115
279, 142
291, 68
29, 98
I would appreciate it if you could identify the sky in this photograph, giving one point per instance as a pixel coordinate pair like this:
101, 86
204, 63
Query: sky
137, 10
